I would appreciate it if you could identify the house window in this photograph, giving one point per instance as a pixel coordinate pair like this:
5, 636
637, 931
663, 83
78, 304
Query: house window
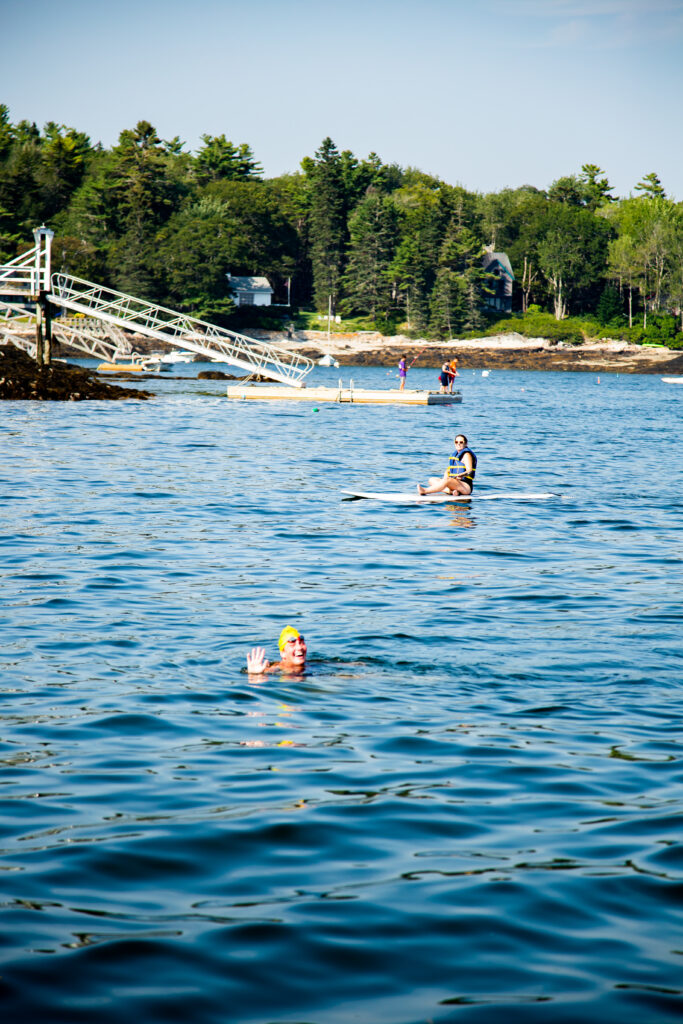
246, 300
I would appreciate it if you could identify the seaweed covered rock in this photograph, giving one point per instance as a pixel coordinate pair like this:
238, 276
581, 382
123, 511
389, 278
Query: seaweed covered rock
22, 378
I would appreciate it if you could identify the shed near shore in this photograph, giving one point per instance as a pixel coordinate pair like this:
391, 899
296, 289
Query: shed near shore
251, 291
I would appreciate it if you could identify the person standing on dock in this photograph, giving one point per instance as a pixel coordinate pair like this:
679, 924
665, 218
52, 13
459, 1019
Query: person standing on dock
459, 475
453, 372
292, 653
402, 372
444, 378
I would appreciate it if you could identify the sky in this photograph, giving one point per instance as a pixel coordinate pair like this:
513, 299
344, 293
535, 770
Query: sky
488, 95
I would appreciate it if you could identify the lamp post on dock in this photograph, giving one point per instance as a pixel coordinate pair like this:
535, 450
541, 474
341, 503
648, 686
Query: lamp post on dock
43, 273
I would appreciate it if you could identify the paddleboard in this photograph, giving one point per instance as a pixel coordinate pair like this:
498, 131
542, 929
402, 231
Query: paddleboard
403, 498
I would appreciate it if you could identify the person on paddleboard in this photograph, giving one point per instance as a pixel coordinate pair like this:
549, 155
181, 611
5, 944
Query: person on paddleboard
292, 654
459, 475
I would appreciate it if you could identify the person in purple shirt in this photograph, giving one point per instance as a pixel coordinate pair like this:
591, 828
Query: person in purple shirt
402, 372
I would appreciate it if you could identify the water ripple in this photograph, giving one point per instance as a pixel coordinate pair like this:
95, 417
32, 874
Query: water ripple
469, 808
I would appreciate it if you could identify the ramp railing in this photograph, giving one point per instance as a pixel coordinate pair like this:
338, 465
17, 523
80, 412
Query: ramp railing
29, 275
18, 340
180, 330
17, 327
91, 337
20, 276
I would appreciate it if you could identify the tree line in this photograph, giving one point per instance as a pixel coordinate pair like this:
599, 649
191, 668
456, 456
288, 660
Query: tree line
391, 245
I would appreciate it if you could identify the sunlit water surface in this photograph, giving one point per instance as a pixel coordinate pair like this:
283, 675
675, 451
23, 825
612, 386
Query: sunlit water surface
470, 808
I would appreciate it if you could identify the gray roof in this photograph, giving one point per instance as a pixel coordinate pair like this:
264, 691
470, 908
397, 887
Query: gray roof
249, 284
500, 257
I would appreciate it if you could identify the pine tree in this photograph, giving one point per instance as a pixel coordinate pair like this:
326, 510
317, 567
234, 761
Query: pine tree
372, 229
327, 223
461, 284
597, 190
221, 160
413, 269
651, 187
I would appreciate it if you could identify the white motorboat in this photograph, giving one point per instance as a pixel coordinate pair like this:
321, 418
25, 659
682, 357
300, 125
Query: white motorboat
176, 357
673, 380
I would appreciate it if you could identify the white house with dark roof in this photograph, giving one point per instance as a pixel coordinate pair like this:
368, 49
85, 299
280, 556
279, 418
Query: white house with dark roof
498, 264
250, 291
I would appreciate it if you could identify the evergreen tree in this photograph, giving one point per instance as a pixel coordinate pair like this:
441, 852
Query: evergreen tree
20, 191
6, 131
327, 223
221, 160
64, 157
651, 187
461, 286
144, 193
414, 266
609, 306
596, 190
568, 190
372, 229
289, 196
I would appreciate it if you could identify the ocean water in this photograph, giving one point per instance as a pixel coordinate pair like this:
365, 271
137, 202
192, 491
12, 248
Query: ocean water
469, 809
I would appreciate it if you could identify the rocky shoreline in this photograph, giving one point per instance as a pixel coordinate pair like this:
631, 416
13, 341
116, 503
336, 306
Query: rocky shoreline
503, 351
22, 378
506, 351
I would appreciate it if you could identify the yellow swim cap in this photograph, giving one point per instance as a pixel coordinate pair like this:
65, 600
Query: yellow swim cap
288, 633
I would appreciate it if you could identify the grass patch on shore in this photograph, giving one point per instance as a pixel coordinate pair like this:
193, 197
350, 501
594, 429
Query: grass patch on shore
662, 329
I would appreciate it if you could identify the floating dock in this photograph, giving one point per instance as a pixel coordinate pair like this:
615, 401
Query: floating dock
278, 393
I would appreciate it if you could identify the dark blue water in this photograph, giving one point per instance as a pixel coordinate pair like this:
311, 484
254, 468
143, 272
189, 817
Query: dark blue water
469, 810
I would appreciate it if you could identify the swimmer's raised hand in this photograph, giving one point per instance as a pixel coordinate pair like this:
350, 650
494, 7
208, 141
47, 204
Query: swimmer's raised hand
256, 661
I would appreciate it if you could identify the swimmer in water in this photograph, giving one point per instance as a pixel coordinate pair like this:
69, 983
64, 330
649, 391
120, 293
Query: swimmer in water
292, 654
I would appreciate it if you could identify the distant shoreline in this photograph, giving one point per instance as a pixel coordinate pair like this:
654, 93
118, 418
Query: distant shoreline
504, 351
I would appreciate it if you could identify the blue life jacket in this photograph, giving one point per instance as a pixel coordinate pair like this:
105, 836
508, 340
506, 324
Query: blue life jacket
457, 468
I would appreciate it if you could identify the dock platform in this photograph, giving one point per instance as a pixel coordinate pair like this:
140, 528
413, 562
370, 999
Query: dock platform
352, 395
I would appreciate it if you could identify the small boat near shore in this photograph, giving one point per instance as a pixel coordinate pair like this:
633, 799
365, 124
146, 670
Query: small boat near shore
169, 358
137, 363
673, 380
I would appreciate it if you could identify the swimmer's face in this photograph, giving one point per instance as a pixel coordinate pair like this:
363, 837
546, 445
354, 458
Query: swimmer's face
294, 653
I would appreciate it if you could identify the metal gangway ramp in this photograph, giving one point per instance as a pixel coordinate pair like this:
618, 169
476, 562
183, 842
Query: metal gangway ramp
15, 321
30, 274
179, 329
91, 337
